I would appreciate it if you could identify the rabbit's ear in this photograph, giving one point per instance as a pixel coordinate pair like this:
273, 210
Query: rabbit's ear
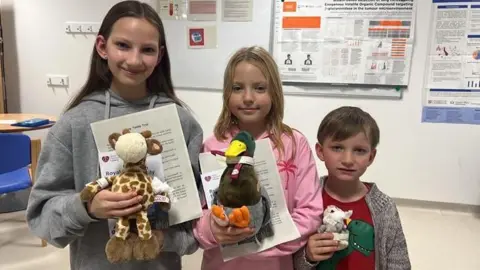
348, 214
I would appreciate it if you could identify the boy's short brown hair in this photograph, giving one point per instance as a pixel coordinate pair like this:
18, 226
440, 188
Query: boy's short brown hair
345, 122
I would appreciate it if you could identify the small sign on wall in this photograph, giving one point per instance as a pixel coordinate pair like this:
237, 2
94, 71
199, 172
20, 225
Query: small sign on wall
202, 10
202, 37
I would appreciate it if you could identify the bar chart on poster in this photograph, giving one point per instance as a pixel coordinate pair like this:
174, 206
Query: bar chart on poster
339, 48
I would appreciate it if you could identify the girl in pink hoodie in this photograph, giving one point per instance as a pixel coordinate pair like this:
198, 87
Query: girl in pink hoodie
253, 101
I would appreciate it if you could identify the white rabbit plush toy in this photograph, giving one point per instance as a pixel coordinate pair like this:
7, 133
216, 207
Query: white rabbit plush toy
335, 221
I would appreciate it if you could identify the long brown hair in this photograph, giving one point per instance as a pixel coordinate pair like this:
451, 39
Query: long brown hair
259, 57
100, 77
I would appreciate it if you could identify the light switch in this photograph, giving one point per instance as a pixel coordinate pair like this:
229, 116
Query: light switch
57, 80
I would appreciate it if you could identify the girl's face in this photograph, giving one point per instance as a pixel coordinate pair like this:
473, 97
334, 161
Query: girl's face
250, 100
132, 52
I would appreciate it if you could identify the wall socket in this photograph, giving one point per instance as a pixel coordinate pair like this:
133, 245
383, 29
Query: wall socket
57, 80
82, 27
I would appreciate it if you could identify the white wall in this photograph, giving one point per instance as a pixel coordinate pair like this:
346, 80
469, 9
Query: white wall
409, 163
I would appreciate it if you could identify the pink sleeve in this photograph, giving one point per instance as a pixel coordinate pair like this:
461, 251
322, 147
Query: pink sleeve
201, 228
308, 203
203, 233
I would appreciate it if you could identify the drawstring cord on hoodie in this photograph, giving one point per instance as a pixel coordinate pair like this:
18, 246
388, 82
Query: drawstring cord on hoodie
107, 115
107, 103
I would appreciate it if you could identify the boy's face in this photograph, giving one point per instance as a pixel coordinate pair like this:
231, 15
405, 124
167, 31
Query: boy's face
346, 160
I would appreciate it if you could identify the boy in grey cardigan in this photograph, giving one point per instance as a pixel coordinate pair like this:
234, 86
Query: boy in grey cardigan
347, 141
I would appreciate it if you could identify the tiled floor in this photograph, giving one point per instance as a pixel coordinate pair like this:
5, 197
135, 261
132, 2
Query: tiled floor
437, 240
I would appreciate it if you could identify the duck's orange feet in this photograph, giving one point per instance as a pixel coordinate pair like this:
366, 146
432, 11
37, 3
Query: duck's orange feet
240, 217
219, 216
217, 211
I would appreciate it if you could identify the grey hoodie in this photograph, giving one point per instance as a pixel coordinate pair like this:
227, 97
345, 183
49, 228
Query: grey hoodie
69, 160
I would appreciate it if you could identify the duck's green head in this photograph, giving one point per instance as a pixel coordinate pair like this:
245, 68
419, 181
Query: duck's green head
242, 143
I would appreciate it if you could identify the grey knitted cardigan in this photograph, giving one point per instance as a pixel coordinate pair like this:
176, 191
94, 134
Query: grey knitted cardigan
391, 252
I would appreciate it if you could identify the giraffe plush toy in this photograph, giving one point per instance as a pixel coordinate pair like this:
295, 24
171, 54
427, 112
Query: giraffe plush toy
133, 148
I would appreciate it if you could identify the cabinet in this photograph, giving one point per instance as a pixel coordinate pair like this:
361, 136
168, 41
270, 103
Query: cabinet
3, 94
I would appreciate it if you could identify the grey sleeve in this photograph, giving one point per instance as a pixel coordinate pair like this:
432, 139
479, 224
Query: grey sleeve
193, 134
397, 251
262, 217
194, 147
55, 212
194, 142
300, 261
180, 239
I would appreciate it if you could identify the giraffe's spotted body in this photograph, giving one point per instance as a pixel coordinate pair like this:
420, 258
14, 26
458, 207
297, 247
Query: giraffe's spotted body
133, 177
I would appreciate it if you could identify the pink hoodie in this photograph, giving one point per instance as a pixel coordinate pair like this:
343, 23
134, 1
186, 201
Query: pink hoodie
304, 202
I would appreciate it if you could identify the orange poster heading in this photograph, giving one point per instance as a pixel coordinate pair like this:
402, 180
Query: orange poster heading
391, 23
301, 22
289, 6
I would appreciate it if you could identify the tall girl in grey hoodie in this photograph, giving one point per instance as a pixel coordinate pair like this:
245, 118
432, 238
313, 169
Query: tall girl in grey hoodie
129, 72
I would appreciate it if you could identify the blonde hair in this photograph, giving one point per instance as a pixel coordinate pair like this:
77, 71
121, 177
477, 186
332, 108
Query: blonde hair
260, 58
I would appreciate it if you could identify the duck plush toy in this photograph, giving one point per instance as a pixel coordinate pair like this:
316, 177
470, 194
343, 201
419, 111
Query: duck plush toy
240, 199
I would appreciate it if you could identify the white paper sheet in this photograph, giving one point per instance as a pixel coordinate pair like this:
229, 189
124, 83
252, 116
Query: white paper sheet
8, 122
202, 10
237, 10
164, 123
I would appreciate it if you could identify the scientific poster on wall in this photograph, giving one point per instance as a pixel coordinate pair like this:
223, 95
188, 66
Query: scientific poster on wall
173, 9
452, 85
237, 10
202, 10
344, 41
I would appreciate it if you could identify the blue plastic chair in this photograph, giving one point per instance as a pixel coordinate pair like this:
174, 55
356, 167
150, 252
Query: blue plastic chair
15, 160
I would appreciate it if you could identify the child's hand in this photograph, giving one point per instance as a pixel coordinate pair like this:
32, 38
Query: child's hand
228, 234
107, 204
320, 247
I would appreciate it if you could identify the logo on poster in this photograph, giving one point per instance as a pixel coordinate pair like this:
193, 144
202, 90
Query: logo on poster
197, 37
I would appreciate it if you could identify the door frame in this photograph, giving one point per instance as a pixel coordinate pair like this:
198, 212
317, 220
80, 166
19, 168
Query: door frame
3, 91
